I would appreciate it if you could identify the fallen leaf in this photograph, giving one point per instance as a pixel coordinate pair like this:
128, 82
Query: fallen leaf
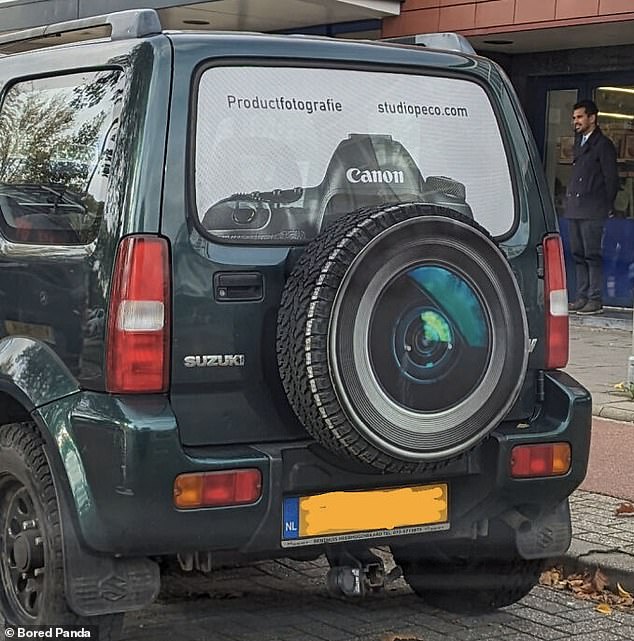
587, 587
550, 577
625, 509
576, 583
599, 581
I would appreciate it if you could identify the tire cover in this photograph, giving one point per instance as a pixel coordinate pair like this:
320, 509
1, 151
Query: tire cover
402, 336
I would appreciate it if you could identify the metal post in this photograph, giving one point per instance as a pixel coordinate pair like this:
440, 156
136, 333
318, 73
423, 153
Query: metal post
630, 360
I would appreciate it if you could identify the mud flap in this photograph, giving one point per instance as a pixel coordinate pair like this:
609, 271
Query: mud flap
97, 584
547, 536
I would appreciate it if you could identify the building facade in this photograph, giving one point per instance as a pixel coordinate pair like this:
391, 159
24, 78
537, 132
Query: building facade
557, 52
351, 18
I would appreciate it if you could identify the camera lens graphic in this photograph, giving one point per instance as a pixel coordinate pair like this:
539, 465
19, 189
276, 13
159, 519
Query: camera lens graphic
423, 340
430, 339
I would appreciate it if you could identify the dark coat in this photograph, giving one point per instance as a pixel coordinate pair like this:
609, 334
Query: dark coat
594, 182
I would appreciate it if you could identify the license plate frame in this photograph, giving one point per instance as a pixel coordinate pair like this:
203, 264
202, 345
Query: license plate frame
335, 517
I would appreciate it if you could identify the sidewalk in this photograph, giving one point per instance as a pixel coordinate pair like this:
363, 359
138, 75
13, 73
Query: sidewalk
599, 351
600, 539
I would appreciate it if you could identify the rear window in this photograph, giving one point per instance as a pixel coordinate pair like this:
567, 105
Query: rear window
283, 152
56, 140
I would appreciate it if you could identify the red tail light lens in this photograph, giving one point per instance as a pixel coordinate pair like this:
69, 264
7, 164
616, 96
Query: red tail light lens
216, 489
547, 459
556, 303
137, 356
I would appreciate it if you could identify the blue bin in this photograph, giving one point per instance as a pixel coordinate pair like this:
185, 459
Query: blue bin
618, 261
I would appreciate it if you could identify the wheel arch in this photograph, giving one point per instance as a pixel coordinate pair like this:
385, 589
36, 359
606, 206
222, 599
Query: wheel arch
24, 361
32, 373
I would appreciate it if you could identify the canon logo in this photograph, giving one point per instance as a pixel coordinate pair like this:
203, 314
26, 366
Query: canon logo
356, 175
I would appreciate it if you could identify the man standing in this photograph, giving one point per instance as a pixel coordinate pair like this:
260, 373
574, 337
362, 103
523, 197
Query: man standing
590, 196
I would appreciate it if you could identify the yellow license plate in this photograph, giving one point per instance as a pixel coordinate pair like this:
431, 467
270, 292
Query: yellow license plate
41, 332
341, 516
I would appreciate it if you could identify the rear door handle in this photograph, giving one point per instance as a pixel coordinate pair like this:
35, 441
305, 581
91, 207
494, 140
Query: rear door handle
238, 286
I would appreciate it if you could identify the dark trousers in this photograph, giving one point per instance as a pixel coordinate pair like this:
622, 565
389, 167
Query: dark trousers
585, 244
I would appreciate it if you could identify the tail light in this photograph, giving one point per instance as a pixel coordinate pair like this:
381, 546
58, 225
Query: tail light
546, 459
556, 303
216, 489
137, 356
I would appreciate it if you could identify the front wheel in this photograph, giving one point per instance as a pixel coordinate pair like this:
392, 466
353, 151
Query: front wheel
31, 559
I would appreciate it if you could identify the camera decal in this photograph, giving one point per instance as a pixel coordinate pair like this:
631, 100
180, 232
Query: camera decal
364, 170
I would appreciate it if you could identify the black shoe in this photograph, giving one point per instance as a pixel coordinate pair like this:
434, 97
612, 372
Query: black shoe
577, 305
590, 308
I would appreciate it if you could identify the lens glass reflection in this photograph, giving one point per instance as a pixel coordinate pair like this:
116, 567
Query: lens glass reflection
429, 339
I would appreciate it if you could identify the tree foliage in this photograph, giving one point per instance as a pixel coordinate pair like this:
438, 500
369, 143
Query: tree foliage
46, 136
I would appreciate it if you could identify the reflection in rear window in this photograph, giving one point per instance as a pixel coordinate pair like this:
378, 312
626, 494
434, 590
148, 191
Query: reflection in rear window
57, 136
283, 152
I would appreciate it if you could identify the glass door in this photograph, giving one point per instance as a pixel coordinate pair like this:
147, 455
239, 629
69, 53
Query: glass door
559, 142
551, 119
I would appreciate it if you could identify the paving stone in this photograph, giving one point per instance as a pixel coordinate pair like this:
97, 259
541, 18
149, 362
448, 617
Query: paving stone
558, 608
601, 636
537, 630
625, 618
444, 627
345, 619
487, 631
585, 627
539, 616
562, 597
599, 539
325, 631
427, 634
580, 615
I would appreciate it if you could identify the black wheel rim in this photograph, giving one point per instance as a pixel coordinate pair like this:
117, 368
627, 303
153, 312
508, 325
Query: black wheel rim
23, 563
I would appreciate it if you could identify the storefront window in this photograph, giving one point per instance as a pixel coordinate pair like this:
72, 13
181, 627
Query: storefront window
616, 108
616, 117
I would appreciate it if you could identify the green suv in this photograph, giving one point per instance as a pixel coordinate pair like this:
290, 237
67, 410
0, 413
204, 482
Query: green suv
274, 296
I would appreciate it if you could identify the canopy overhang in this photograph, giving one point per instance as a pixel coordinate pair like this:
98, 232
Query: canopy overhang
239, 15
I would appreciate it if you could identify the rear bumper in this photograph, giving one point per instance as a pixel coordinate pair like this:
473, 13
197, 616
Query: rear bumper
122, 454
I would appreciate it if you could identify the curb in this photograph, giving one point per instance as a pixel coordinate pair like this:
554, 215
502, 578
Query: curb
614, 413
618, 566
613, 319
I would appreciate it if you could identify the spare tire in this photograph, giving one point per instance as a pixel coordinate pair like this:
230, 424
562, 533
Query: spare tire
402, 336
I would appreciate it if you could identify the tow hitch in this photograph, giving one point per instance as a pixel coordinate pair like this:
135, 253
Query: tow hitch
354, 574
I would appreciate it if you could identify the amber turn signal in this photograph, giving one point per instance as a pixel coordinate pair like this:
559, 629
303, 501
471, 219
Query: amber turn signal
545, 459
217, 489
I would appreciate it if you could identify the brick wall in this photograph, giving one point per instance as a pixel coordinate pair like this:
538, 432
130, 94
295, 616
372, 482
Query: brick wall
475, 17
